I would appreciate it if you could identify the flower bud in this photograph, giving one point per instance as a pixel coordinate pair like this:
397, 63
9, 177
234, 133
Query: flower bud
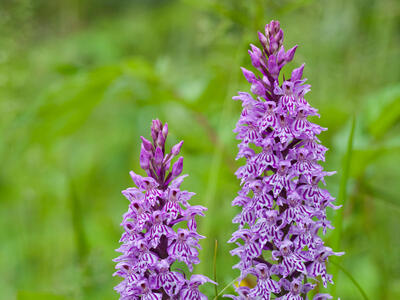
290, 54
144, 158
165, 131
147, 144
273, 66
160, 142
263, 40
158, 157
281, 55
257, 89
250, 77
176, 149
297, 73
177, 167
256, 56
155, 129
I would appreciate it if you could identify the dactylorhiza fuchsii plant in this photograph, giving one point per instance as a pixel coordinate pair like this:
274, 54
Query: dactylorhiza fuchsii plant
283, 204
151, 243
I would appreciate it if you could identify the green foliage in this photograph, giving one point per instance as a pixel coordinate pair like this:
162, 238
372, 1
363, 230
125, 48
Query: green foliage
364, 295
341, 201
80, 82
38, 296
384, 115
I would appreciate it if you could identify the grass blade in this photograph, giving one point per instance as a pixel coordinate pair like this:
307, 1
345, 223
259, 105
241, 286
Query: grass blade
82, 246
215, 267
347, 273
338, 220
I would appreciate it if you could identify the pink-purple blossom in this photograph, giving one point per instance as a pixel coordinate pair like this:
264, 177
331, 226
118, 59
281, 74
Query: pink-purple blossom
282, 199
151, 242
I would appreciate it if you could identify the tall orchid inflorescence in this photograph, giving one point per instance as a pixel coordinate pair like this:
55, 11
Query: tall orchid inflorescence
150, 243
283, 205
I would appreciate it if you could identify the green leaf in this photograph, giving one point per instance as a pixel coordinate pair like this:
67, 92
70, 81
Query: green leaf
66, 69
139, 68
239, 16
66, 109
384, 111
362, 158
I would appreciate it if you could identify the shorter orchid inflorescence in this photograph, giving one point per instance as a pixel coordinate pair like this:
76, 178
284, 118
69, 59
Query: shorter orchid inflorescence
283, 204
151, 244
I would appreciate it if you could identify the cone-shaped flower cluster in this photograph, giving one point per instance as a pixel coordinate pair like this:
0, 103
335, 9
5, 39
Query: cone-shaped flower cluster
283, 204
150, 243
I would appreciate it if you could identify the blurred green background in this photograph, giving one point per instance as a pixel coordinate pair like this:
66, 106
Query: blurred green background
80, 82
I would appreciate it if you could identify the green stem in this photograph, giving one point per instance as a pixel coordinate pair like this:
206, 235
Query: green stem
215, 267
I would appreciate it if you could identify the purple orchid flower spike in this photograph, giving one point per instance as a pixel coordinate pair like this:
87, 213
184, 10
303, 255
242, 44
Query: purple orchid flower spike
282, 199
151, 244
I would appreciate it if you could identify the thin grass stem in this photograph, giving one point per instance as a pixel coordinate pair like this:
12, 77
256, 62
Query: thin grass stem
338, 220
215, 266
353, 280
225, 288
